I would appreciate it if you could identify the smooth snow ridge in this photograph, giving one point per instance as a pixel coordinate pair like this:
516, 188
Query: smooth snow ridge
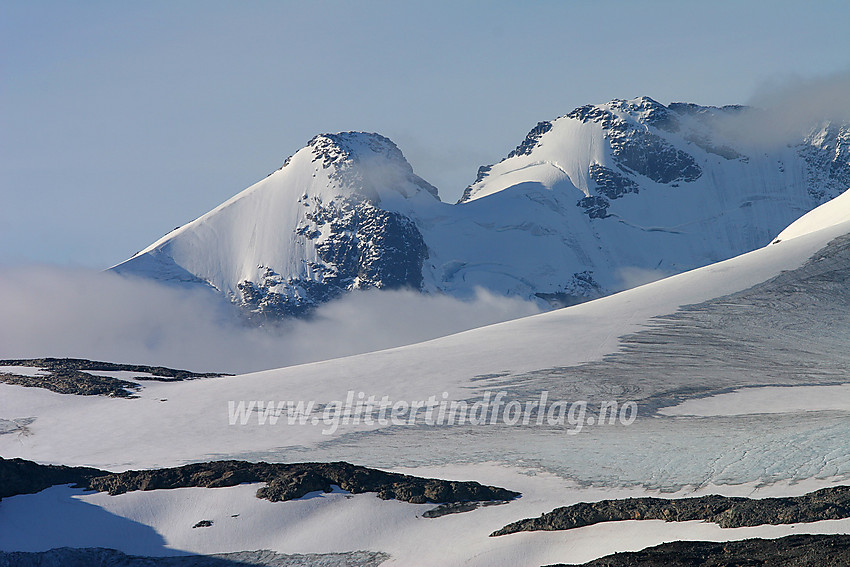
829, 214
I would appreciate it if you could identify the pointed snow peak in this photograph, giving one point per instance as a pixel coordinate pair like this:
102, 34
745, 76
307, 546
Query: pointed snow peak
355, 146
368, 161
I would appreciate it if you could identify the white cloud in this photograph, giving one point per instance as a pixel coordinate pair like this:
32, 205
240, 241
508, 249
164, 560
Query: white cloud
783, 111
49, 311
803, 101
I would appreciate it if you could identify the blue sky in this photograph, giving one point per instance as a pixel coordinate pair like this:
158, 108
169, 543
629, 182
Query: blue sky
122, 120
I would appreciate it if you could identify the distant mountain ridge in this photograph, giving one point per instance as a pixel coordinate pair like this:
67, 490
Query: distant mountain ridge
595, 201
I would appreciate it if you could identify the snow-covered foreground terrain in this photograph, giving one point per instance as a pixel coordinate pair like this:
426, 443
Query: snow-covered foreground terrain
737, 371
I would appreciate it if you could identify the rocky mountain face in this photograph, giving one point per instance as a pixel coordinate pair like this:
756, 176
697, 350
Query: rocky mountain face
601, 199
332, 219
357, 243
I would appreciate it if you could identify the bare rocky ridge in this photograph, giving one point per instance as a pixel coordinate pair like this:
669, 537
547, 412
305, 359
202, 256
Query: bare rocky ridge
283, 481
78, 376
831, 503
790, 551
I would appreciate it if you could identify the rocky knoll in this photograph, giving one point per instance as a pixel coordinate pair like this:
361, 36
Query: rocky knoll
831, 503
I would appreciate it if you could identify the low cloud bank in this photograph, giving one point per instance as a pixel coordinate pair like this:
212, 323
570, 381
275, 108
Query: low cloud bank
56, 312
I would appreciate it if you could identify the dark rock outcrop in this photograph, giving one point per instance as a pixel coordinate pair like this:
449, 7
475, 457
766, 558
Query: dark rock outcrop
203, 524
637, 149
75, 382
706, 145
283, 481
595, 206
610, 183
459, 508
159, 373
790, 551
19, 476
75, 376
648, 154
831, 503
532, 139
360, 245
291, 481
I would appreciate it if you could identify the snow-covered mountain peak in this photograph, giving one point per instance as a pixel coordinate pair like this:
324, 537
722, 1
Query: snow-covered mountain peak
333, 218
354, 146
601, 199
607, 151
617, 145
368, 164
644, 110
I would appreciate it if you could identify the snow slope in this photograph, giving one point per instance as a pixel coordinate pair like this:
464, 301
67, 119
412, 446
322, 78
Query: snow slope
574, 353
602, 199
455, 364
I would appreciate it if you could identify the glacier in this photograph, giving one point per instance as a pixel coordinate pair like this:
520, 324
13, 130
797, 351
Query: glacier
774, 318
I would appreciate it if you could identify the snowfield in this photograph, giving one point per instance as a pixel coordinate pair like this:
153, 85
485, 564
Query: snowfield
739, 371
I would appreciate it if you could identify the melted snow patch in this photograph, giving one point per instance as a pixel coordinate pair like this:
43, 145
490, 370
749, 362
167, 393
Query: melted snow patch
770, 399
